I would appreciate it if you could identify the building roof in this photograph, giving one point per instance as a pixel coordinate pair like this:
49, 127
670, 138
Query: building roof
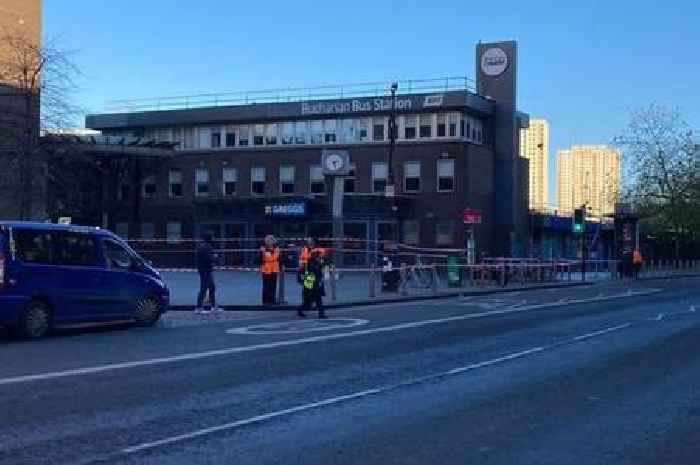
413, 96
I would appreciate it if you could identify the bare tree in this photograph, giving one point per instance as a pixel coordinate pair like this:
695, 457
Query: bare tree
36, 89
662, 170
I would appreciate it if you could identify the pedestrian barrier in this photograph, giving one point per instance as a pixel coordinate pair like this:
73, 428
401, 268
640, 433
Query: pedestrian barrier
355, 270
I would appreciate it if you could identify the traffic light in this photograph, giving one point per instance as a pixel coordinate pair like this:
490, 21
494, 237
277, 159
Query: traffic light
579, 225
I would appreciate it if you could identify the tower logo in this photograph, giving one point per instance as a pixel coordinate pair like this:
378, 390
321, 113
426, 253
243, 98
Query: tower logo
494, 61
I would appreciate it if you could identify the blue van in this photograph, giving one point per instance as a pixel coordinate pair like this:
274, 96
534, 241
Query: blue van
55, 276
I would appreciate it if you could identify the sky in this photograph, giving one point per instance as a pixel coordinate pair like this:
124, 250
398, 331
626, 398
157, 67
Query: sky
583, 66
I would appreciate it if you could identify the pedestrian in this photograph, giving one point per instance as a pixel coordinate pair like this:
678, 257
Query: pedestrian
205, 268
306, 251
637, 261
310, 278
270, 268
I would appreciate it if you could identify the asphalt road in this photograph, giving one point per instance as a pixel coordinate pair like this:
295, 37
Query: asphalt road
606, 374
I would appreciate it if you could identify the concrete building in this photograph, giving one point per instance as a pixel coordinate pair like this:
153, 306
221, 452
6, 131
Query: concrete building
249, 164
588, 175
534, 145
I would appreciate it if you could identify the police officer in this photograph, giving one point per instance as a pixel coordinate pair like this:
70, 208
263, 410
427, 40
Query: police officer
311, 279
270, 268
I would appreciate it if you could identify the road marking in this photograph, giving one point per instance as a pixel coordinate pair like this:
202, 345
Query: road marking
660, 317
300, 326
265, 346
358, 395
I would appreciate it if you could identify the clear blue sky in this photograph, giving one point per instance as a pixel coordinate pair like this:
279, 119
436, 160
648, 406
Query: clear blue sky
582, 65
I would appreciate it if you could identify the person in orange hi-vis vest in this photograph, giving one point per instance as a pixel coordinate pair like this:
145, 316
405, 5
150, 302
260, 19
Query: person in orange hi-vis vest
308, 249
637, 261
269, 268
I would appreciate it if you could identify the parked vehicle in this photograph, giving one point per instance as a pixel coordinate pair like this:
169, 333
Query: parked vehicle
55, 276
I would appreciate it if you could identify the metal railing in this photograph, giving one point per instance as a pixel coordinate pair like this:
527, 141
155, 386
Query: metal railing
290, 94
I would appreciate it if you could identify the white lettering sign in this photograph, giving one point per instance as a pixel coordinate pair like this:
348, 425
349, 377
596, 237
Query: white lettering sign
355, 106
494, 61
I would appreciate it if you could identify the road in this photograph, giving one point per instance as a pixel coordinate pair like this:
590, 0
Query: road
603, 374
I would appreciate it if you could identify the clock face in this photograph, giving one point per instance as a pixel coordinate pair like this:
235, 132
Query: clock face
334, 162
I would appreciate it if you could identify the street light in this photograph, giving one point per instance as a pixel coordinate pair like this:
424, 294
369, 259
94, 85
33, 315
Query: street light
390, 187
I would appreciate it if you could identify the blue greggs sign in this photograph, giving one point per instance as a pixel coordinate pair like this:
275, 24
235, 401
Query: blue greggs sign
292, 209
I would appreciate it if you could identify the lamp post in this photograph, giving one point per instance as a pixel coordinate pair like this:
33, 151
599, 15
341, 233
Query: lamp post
390, 186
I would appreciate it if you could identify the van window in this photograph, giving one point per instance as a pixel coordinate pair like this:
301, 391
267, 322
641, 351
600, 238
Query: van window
33, 246
72, 249
117, 256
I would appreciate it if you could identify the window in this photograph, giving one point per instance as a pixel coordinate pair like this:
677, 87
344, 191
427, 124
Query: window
410, 127
175, 183
378, 129
287, 174
349, 130
71, 249
34, 246
271, 134
454, 119
216, 138
118, 258
230, 136
411, 232
318, 183
177, 137
411, 176
204, 137
441, 125
469, 130
316, 132
243, 136
257, 180
148, 187
349, 180
258, 134
201, 182
364, 129
189, 138
446, 175
122, 230
147, 230
329, 134
164, 135
174, 231
444, 232
379, 177
301, 131
230, 181
426, 126
287, 133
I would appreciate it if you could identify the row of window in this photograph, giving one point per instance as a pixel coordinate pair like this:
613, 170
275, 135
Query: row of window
327, 131
412, 175
444, 231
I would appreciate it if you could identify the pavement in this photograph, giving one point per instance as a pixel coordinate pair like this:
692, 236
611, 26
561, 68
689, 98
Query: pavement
601, 374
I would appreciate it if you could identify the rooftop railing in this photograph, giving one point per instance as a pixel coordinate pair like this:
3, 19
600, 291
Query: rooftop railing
290, 94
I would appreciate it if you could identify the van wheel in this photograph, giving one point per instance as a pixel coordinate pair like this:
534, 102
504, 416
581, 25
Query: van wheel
36, 320
147, 311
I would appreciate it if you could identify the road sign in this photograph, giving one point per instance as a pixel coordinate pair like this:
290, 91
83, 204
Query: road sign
65, 220
471, 216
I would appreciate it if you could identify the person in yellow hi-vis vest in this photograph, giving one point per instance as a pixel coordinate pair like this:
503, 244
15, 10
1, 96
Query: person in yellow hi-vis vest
269, 268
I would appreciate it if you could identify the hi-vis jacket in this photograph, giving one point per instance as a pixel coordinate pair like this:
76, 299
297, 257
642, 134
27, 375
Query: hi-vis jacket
270, 260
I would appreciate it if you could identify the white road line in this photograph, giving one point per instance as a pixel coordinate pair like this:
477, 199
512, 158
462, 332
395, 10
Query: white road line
265, 346
358, 395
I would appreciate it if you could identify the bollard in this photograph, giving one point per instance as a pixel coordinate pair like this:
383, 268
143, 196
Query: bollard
569, 271
334, 284
435, 278
503, 275
372, 289
280, 286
